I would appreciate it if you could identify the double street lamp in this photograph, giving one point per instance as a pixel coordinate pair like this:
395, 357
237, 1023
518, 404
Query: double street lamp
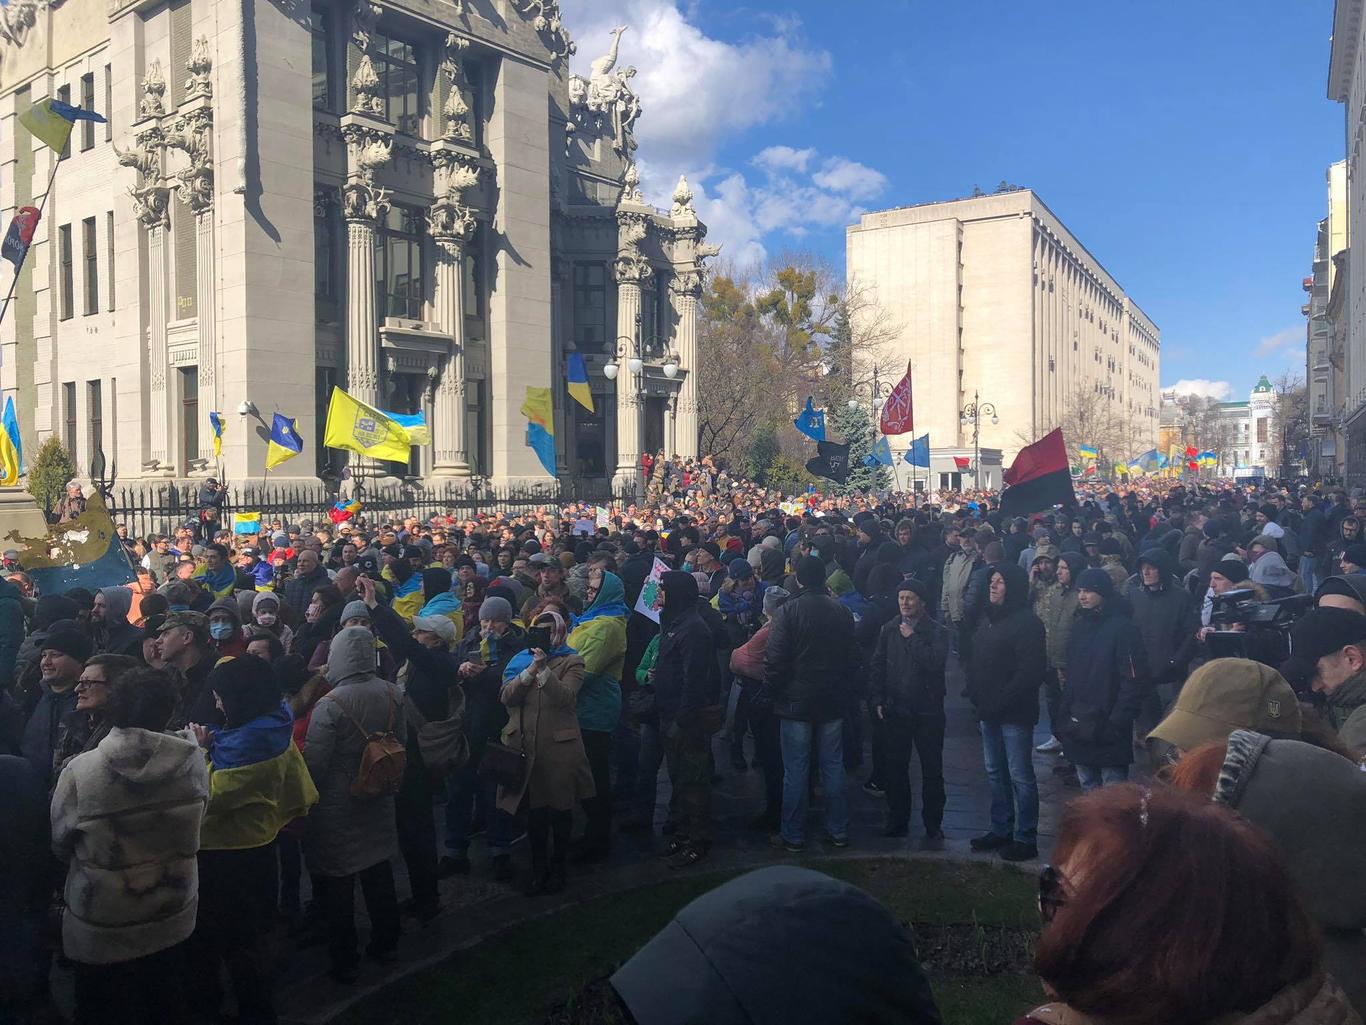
973, 413
628, 351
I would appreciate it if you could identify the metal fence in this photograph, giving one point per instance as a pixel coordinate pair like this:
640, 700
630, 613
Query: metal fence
149, 509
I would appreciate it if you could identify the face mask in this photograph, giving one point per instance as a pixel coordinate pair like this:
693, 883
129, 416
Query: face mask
220, 631
265, 618
687, 567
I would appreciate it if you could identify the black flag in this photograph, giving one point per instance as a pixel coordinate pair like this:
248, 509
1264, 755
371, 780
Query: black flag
832, 462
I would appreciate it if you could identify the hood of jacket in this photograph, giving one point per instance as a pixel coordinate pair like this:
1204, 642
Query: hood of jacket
1270, 570
1160, 559
610, 600
1017, 589
680, 593
146, 758
1313, 804
1076, 562
117, 602
352, 653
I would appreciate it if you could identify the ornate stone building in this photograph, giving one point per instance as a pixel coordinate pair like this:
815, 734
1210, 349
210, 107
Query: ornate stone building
417, 202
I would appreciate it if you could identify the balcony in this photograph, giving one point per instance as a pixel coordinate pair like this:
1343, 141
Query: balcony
1322, 417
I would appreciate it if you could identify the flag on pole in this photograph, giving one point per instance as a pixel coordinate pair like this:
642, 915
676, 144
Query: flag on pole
897, 414
356, 427
881, 453
811, 421
540, 426
246, 523
285, 442
962, 462
919, 452
1088, 452
1039, 478
11, 448
832, 461
577, 376
415, 424
1121, 469
20, 235
51, 121
216, 425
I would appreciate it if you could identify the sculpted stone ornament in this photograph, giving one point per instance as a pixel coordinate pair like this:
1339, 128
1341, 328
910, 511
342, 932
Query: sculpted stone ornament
455, 109
631, 265
630, 185
200, 64
150, 195
365, 82
364, 202
18, 18
153, 89
606, 98
367, 150
449, 218
193, 133
687, 283
682, 199
545, 19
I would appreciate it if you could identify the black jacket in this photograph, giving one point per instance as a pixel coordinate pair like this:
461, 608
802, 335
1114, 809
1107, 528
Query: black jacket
812, 663
1107, 676
906, 676
485, 714
1009, 657
298, 590
1167, 619
687, 676
431, 671
880, 610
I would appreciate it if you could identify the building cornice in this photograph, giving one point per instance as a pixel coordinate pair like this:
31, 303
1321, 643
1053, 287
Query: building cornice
1343, 48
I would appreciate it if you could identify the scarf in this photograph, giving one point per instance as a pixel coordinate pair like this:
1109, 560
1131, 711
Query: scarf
258, 740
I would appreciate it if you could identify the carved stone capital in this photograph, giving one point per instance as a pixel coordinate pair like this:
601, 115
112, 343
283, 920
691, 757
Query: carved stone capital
193, 134
631, 269
451, 224
362, 379
363, 203
687, 283
456, 173
368, 148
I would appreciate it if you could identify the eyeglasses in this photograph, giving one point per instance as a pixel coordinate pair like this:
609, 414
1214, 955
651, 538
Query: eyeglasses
1052, 892
91, 683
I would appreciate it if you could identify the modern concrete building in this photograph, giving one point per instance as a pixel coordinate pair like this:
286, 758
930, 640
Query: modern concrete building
415, 201
995, 301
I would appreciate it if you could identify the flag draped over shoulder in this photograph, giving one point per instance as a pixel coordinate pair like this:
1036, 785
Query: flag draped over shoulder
811, 421
365, 430
832, 461
1039, 478
576, 375
540, 426
897, 414
285, 441
919, 452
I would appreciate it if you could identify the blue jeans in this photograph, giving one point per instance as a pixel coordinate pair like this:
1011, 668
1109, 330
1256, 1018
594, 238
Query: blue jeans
1009, 755
796, 737
1095, 776
466, 792
1310, 573
647, 773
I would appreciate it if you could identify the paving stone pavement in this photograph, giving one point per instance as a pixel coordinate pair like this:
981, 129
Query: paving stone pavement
474, 906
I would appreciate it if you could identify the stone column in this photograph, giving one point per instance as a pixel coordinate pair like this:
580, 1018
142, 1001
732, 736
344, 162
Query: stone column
451, 455
628, 384
159, 406
362, 325
207, 299
671, 427
687, 287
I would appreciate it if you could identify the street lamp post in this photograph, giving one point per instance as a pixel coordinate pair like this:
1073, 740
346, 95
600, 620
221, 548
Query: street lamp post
627, 356
874, 390
972, 414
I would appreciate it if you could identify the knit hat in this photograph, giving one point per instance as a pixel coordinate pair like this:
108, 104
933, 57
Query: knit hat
356, 609
1109, 546
69, 641
1230, 569
1355, 554
1324, 631
739, 569
1227, 694
1096, 580
496, 609
774, 598
912, 585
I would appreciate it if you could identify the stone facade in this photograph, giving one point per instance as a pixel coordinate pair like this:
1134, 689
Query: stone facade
418, 203
1325, 331
992, 296
1249, 429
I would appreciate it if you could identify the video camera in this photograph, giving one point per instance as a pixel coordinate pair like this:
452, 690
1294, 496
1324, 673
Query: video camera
1259, 630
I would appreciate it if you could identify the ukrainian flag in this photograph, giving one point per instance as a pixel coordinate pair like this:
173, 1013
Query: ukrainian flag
415, 424
285, 442
216, 425
577, 375
11, 448
246, 523
1088, 452
540, 428
356, 427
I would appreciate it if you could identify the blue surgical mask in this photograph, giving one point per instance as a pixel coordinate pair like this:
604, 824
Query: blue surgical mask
220, 631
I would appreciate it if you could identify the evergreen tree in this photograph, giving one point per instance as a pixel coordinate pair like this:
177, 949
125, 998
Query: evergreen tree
50, 471
855, 426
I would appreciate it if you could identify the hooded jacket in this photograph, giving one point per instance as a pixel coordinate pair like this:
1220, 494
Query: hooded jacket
1107, 677
599, 637
1312, 804
1055, 606
687, 677
812, 663
39, 743
1167, 618
117, 634
1009, 657
1272, 573
127, 815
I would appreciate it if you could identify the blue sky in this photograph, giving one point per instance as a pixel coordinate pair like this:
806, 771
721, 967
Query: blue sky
1184, 144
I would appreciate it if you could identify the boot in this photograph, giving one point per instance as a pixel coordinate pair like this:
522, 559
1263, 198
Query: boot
555, 877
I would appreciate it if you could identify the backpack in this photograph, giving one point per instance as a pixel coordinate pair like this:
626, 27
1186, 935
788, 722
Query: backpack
382, 760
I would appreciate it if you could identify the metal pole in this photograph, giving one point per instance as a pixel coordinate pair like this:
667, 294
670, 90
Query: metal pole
42, 203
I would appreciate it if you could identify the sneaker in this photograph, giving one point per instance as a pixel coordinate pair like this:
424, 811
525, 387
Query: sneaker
453, 865
873, 790
835, 841
989, 842
776, 840
1017, 851
1049, 746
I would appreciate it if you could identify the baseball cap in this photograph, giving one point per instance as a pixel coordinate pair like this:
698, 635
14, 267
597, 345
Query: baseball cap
1227, 694
539, 559
1326, 630
196, 621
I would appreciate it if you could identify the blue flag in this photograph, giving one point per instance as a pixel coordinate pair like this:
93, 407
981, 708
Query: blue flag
811, 421
285, 442
882, 453
919, 452
71, 113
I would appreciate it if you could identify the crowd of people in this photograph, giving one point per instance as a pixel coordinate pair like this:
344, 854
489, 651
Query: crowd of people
230, 745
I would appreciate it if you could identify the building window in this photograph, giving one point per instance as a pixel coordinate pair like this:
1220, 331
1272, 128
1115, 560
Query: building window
321, 28
88, 103
326, 228
64, 94
94, 400
401, 267
69, 419
65, 256
474, 284
108, 110
396, 64
189, 412
329, 460
109, 253
1261, 430
182, 27
186, 260
92, 265
590, 307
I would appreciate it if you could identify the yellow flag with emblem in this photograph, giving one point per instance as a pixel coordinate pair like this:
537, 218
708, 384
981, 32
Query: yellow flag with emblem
356, 427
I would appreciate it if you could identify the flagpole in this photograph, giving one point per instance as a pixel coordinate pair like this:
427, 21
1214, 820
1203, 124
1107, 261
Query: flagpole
56, 163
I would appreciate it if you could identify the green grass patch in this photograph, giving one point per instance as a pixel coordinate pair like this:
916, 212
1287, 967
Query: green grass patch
516, 977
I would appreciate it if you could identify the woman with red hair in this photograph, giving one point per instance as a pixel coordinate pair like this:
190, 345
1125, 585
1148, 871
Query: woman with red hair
1162, 907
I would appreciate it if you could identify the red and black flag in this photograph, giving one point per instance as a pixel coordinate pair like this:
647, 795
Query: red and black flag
1039, 479
20, 235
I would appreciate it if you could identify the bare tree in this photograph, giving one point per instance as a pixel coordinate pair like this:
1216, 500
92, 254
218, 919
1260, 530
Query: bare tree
1289, 421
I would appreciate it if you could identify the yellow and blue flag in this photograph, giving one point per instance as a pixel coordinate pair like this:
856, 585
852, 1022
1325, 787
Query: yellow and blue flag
11, 448
246, 523
538, 408
216, 425
1088, 451
415, 424
344, 510
356, 427
577, 375
51, 121
285, 442
881, 453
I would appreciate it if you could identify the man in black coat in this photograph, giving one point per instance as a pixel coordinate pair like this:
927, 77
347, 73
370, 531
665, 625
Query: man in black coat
1168, 620
1107, 675
1009, 660
906, 693
810, 663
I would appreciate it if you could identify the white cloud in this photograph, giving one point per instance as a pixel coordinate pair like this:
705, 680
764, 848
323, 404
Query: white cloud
783, 158
1203, 387
859, 181
1285, 339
